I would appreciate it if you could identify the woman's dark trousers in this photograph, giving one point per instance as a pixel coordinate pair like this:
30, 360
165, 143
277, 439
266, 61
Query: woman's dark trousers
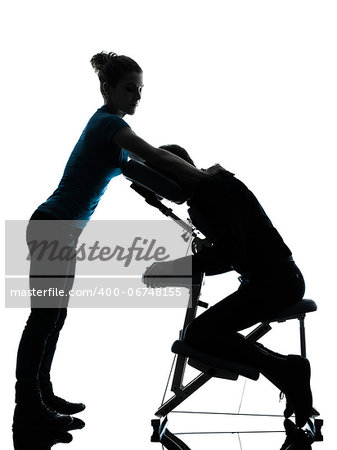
52, 249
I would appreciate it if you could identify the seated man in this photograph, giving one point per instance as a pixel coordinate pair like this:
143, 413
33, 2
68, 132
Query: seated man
244, 240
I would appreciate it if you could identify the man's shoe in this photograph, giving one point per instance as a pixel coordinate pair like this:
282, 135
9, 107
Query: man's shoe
38, 416
297, 389
292, 376
296, 438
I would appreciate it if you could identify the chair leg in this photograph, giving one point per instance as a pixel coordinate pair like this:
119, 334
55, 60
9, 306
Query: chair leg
302, 337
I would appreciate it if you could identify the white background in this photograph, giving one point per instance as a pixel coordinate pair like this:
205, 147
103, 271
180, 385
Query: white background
249, 84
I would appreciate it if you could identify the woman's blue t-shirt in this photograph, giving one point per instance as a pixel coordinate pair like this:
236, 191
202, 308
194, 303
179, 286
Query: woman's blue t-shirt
91, 165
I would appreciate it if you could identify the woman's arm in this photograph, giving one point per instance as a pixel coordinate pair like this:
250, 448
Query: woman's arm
162, 160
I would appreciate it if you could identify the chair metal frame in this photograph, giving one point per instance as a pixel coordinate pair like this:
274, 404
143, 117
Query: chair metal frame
228, 370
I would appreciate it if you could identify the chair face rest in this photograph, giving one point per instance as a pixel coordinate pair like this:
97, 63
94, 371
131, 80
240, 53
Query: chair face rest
153, 180
302, 307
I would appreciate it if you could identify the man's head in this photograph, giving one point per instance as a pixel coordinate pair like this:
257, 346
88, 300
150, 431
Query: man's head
178, 151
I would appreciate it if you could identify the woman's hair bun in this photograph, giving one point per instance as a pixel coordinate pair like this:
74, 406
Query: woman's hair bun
111, 68
99, 60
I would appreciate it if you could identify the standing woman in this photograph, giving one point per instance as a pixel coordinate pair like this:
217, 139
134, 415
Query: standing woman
97, 157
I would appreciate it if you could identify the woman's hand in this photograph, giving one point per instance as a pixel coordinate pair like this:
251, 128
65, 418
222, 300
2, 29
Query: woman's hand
216, 169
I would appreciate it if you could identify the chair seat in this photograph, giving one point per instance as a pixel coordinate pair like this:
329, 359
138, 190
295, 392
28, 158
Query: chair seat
214, 362
292, 312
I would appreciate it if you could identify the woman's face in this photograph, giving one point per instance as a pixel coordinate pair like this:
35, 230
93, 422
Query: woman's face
124, 97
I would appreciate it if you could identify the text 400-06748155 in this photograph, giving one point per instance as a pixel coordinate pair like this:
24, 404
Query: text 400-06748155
143, 291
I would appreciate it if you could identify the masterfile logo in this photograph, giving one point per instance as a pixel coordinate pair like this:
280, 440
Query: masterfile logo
49, 262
